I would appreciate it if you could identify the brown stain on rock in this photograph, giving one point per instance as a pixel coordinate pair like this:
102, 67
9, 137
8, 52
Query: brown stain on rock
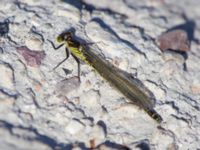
32, 58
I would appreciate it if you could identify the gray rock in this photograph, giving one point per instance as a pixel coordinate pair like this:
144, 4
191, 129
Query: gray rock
39, 111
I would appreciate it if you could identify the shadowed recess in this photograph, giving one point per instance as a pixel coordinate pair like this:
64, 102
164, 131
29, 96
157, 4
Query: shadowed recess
143, 146
189, 27
38, 137
52, 143
116, 146
103, 125
13, 95
80, 4
4, 27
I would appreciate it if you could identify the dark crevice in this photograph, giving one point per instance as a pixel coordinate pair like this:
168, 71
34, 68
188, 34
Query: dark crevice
7, 92
103, 125
80, 4
30, 9
137, 7
39, 137
143, 146
33, 96
181, 118
11, 40
34, 30
11, 68
157, 84
195, 105
23, 6
109, 29
172, 104
52, 143
114, 145
167, 132
15, 96
183, 54
164, 18
4, 28
190, 101
145, 36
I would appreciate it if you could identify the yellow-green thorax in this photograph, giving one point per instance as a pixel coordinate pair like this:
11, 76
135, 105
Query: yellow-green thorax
77, 50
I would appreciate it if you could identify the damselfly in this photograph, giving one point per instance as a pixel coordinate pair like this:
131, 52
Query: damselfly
108, 71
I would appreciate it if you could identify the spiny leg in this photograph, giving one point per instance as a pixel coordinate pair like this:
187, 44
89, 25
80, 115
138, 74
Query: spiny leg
79, 67
53, 45
67, 56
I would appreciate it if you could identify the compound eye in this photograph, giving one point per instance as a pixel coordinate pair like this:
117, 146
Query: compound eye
59, 39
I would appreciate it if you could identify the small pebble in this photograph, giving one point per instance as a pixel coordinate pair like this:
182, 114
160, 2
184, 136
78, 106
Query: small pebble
176, 40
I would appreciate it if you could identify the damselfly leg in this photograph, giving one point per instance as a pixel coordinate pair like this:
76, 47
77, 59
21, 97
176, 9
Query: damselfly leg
79, 67
67, 56
53, 45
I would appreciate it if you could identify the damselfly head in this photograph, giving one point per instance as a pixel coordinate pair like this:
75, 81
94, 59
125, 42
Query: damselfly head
65, 36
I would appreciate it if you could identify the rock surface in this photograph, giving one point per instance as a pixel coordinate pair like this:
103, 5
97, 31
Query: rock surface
37, 110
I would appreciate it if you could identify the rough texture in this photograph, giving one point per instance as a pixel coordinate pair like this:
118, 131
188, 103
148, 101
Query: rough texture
37, 109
